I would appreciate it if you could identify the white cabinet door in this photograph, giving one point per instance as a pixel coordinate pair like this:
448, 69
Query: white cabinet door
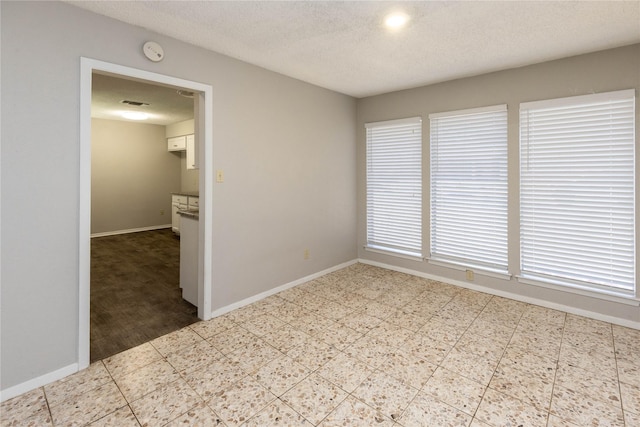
177, 143
191, 152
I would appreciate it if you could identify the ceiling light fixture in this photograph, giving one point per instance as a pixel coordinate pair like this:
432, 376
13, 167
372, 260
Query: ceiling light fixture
395, 21
135, 115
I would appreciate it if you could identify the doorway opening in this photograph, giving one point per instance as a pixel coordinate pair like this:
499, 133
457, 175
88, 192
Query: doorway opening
202, 146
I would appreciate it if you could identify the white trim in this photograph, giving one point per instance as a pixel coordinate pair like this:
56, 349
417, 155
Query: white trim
484, 271
574, 289
572, 100
130, 230
478, 110
529, 300
87, 66
265, 294
396, 122
40, 381
391, 252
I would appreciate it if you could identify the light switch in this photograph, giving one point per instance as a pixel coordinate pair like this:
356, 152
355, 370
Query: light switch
219, 175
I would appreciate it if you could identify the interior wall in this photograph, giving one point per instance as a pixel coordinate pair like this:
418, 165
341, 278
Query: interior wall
608, 70
287, 150
132, 176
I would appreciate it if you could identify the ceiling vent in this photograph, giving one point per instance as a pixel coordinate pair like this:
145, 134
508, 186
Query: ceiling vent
185, 93
135, 103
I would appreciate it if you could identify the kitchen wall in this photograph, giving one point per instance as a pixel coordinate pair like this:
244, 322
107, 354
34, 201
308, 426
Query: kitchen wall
608, 70
189, 178
287, 149
132, 176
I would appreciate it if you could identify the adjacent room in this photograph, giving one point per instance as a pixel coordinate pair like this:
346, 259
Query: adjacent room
343, 213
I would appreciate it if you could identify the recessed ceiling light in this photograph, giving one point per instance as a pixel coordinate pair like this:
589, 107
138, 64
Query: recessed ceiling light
396, 20
135, 115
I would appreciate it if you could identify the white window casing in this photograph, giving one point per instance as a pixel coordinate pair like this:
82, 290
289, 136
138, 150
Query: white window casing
577, 192
469, 188
394, 187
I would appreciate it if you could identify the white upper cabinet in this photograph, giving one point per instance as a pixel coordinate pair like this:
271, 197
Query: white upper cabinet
192, 162
177, 143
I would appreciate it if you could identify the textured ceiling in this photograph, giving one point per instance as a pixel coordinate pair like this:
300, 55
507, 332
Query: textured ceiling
343, 46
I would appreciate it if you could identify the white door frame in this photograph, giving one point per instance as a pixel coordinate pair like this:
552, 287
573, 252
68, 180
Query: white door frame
204, 148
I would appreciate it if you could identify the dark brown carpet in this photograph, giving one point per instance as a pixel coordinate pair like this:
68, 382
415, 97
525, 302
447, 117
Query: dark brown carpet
135, 293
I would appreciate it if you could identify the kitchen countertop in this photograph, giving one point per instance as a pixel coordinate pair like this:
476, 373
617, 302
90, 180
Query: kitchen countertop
190, 213
186, 193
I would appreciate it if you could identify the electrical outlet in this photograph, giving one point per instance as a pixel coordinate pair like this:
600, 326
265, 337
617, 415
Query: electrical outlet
161, 211
219, 175
470, 275
306, 254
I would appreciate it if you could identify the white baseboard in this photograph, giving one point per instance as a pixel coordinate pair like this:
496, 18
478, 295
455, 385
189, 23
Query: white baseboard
263, 295
543, 303
131, 230
40, 381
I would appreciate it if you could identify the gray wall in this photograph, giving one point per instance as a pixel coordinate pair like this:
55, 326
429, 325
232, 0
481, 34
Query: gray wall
132, 176
598, 72
287, 149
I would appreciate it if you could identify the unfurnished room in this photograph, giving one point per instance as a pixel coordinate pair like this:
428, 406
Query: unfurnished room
319, 213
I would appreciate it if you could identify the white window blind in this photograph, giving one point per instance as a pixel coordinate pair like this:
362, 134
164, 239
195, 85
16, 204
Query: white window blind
577, 179
394, 186
469, 187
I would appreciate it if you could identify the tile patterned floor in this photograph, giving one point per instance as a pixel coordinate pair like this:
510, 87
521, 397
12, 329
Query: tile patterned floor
362, 346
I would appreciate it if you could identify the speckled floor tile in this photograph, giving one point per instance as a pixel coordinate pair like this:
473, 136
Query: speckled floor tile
555, 421
487, 347
286, 338
146, 379
455, 390
489, 328
174, 341
314, 398
130, 360
477, 423
313, 353
536, 343
41, 419
360, 321
579, 324
631, 419
165, 404
288, 312
532, 389
277, 414
345, 371
199, 416
629, 370
254, 356
427, 348
469, 365
89, 406
544, 315
533, 364
92, 377
333, 310
243, 314
123, 417
598, 386
370, 350
498, 409
630, 398
354, 413
385, 394
583, 410
426, 410
390, 334
260, 325
339, 336
442, 332
538, 328
281, 374
241, 401
408, 320
232, 339
293, 294
378, 310
311, 323
211, 379
24, 406
209, 328
408, 368
590, 360
202, 353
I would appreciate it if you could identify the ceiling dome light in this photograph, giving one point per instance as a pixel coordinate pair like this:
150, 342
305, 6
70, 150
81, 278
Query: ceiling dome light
135, 115
396, 20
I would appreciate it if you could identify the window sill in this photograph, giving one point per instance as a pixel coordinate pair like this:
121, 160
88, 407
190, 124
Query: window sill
613, 296
395, 253
483, 271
